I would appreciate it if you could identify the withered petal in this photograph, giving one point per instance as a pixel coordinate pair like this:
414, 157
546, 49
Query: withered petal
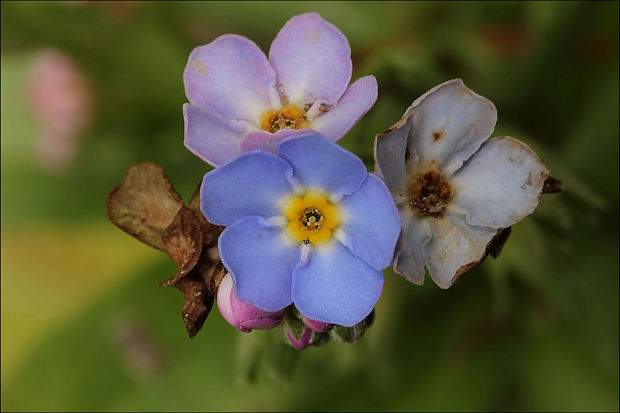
497, 243
493, 248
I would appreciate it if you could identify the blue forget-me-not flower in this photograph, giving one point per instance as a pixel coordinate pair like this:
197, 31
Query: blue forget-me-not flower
309, 226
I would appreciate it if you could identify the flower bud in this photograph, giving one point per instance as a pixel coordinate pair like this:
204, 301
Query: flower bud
355, 333
294, 331
299, 342
301, 332
314, 325
243, 316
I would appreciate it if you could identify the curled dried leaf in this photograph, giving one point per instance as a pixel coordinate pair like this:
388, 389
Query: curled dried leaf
144, 204
200, 269
210, 232
215, 278
194, 202
191, 241
199, 287
182, 240
198, 301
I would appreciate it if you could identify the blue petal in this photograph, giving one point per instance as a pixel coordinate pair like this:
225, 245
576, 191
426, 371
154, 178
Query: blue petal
252, 184
260, 258
318, 162
334, 286
370, 223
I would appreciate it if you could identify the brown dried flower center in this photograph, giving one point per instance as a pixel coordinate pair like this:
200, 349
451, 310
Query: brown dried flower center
429, 193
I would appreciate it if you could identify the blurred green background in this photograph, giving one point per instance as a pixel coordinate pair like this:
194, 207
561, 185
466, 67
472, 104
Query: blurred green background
85, 327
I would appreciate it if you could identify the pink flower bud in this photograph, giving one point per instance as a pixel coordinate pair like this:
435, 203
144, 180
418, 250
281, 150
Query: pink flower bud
314, 325
299, 343
300, 335
242, 316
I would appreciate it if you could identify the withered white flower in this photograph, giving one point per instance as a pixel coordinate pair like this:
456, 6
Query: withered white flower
455, 188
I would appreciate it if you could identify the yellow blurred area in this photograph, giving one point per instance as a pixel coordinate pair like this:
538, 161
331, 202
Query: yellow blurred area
47, 277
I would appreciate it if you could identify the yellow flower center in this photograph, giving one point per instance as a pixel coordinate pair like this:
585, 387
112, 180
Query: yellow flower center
311, 218
289, 117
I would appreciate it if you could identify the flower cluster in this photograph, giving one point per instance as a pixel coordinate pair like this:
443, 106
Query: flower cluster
306, 224
303, 230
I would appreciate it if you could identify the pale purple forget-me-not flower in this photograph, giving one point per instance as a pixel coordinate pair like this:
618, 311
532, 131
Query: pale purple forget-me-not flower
309, 226
455, 188
241, 101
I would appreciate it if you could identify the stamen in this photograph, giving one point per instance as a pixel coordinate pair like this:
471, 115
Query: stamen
289, 117
311, 218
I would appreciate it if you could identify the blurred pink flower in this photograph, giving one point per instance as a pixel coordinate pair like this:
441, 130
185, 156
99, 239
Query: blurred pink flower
61, 100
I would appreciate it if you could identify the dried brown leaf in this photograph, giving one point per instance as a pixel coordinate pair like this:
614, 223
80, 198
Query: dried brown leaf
144, 204
194, 202
198, 301
210, 232
191, 241
182, 240
218, 273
